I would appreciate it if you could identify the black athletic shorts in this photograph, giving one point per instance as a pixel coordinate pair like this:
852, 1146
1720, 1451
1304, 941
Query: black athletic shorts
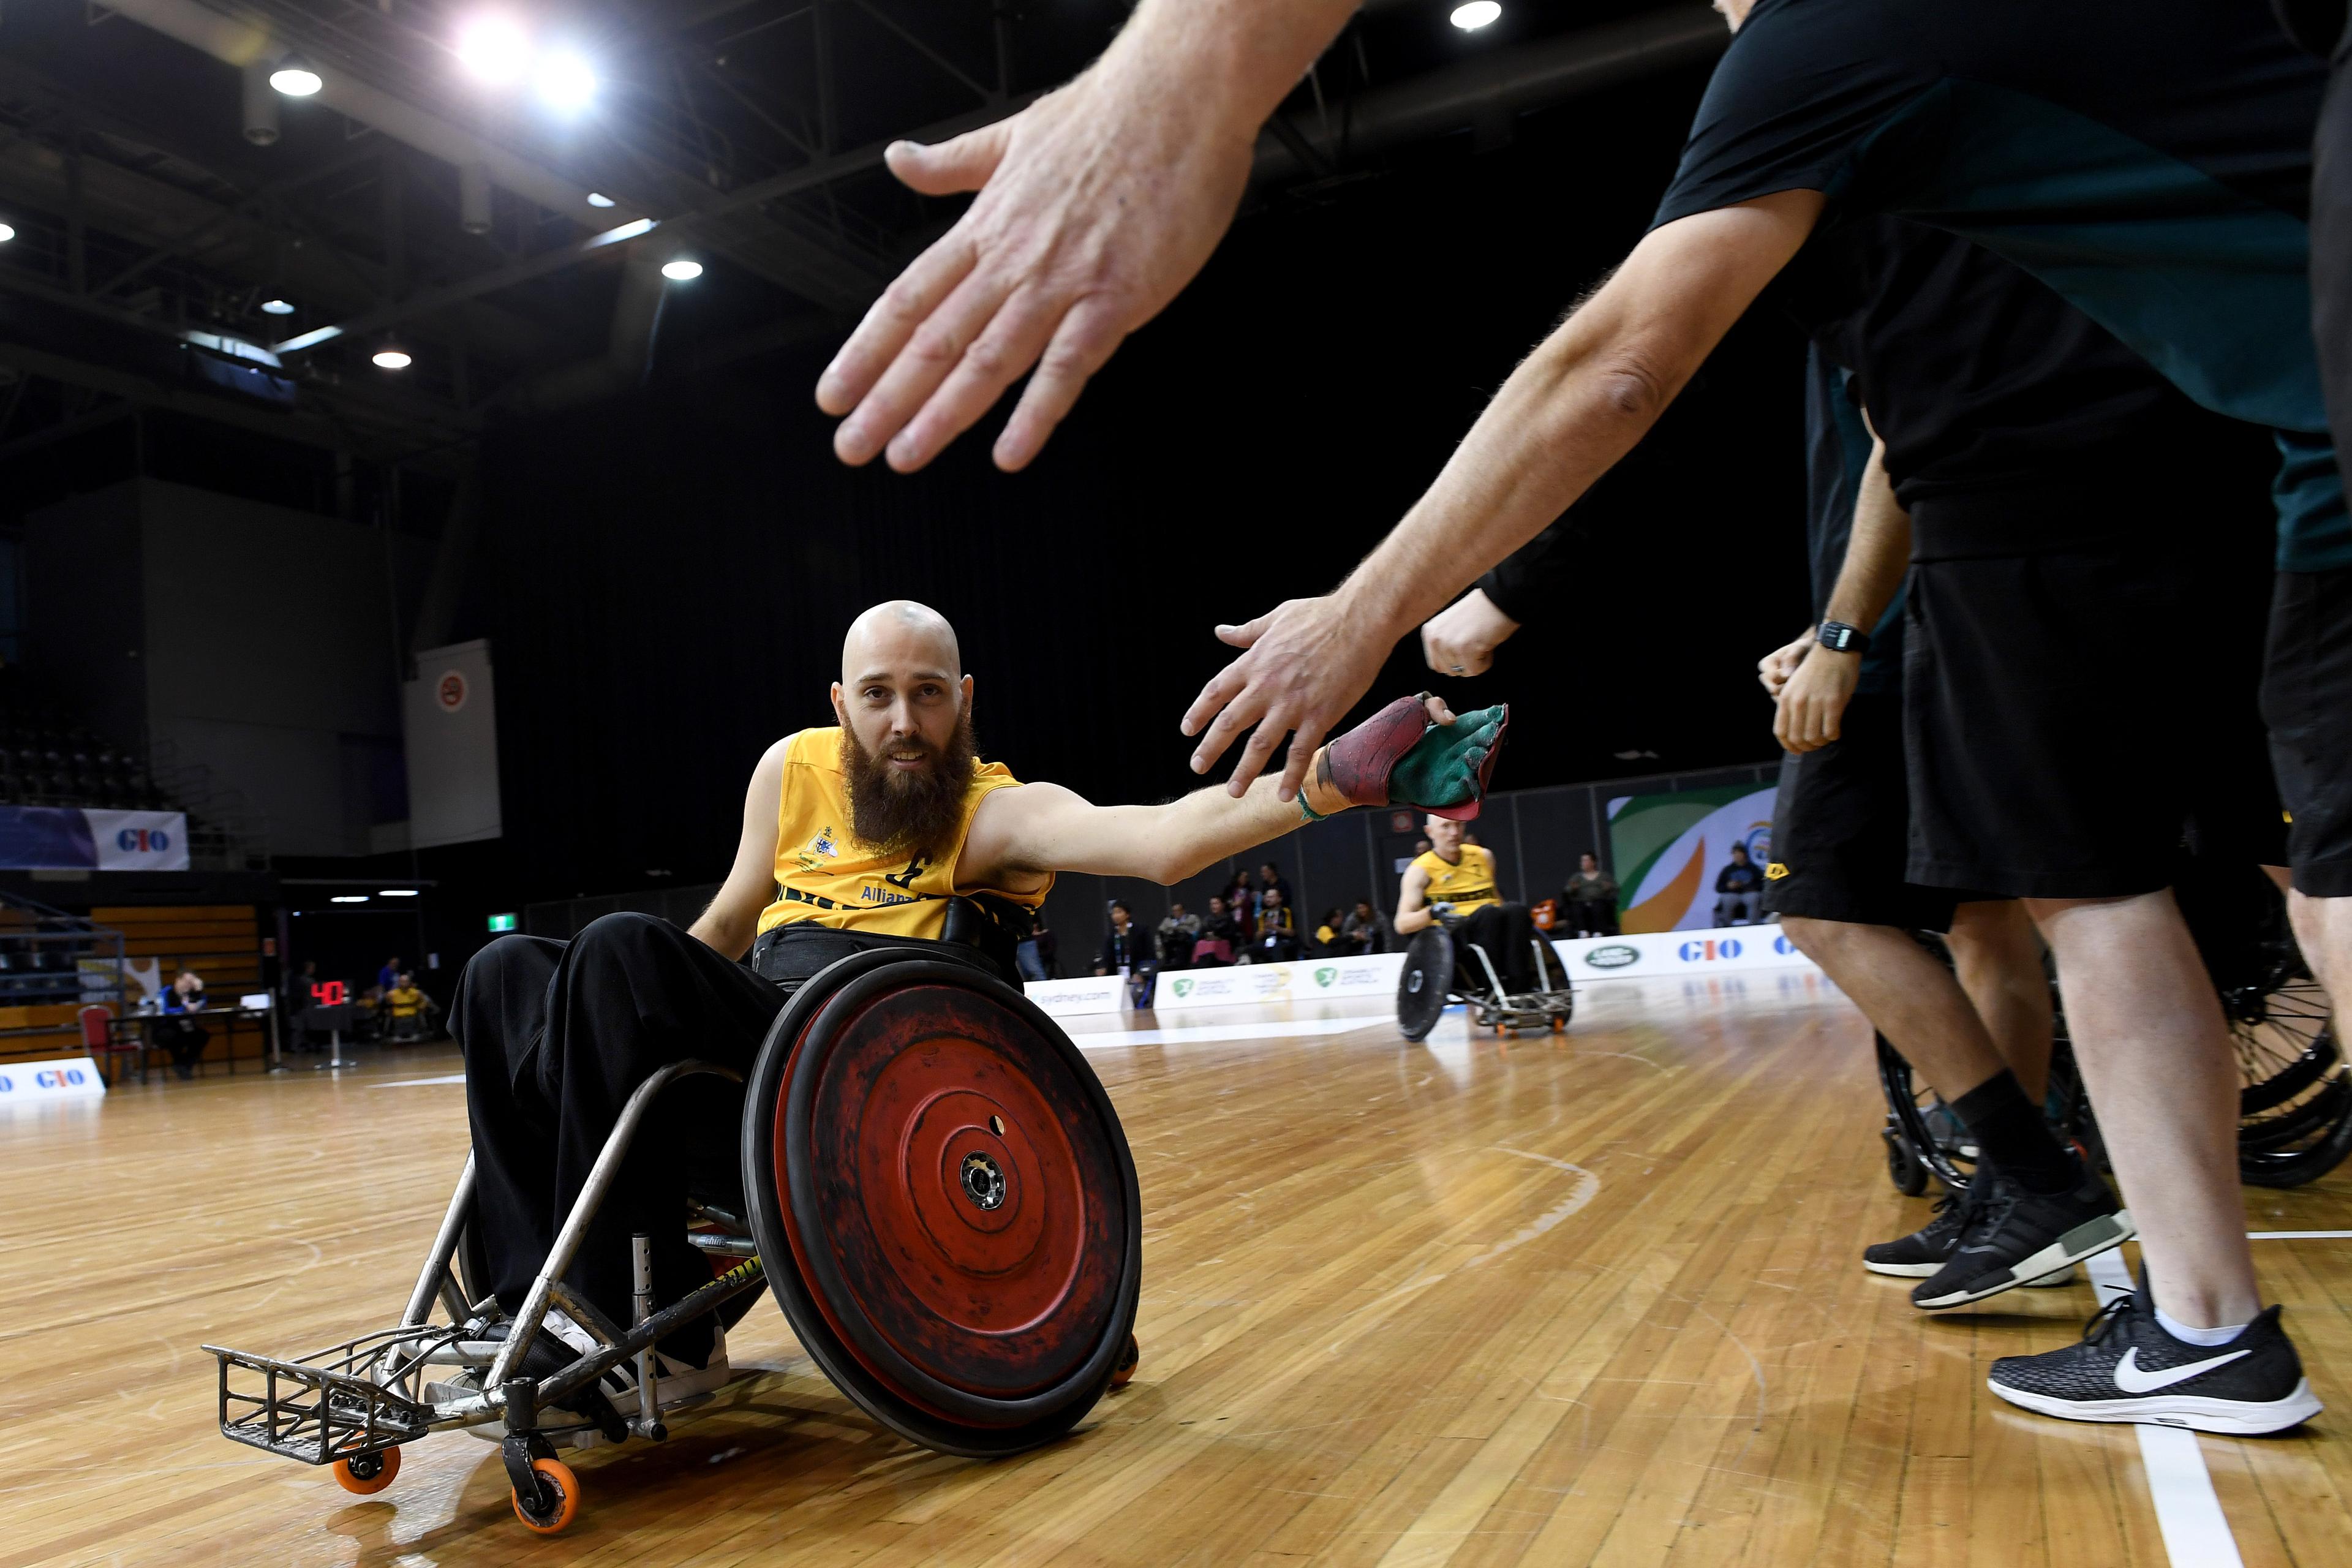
2308, 700
2082, 682
1842, 827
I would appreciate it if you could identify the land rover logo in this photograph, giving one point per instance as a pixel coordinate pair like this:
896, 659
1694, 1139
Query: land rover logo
1616, 956
1183, 989
1324, 976
983, 1182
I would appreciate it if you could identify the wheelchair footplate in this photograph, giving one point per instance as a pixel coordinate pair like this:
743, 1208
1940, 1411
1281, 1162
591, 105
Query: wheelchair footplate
1524, 1010
358, 1398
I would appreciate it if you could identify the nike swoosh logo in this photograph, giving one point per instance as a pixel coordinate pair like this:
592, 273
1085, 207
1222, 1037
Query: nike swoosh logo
2131, 1380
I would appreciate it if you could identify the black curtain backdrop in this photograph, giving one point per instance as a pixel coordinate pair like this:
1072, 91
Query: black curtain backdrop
665, 579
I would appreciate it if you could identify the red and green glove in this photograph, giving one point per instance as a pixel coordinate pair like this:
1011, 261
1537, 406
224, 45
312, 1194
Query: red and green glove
1400, 756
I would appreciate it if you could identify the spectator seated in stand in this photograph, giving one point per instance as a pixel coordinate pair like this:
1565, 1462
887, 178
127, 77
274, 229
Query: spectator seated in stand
1177, 934
1220, 937
1365, 930
1589, 904
1739, 891
1276, 937
1329, 944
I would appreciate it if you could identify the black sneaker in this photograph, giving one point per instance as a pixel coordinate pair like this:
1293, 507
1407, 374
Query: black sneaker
2127, 1368
1923, 1252
2017, 1237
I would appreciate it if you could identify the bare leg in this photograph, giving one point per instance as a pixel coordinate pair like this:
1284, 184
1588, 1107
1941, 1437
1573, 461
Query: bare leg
2149, 1033
1999, 956
1912, 999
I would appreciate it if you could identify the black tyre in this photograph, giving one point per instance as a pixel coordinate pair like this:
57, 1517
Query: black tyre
1920, 1123
1427, 977
1903, 1167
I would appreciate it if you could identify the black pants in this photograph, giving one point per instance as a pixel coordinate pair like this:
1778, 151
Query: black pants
1591, 917
556, 1037
1506, 932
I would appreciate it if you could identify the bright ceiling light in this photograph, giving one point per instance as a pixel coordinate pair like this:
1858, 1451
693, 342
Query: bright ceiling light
7, 233
599, 199
348, 899
566, 83
389, 358
681, 270
295, 78
493, 49
1475, 14
395, 892
277, 307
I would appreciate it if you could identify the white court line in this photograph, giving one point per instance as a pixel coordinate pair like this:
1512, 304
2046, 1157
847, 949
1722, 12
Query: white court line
2299, 1235
417, 1082
1106, 1039
2195, 1532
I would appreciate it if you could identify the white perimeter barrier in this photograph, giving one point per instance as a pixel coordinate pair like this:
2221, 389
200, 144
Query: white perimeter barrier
1310, 980
67, 1078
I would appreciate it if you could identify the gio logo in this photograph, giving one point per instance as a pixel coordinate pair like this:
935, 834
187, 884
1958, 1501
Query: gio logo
53, 1078
1613, 957
1708, 951
1783, 946
143, 841
1324, 976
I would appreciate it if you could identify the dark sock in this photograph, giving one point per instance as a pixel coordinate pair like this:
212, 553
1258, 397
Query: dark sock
2010, 1133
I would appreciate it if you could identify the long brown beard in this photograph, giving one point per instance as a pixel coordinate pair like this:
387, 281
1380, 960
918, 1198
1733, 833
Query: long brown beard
902, 812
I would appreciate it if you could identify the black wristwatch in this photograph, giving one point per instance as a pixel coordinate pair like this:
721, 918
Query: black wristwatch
1839, 637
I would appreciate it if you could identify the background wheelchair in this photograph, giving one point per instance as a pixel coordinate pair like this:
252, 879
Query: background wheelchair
927, 1159
2294, 1095
1441, 968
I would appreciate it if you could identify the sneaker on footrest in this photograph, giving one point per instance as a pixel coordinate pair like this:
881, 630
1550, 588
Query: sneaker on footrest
2127, 1368
2016, 1238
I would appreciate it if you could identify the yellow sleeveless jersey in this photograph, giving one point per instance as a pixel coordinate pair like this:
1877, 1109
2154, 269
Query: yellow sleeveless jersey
1468, 886
827, 875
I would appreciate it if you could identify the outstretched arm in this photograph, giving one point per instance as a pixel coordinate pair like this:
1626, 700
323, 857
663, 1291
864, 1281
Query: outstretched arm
728, 925
1571, 410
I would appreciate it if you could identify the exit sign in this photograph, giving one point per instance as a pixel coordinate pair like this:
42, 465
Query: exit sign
502, 922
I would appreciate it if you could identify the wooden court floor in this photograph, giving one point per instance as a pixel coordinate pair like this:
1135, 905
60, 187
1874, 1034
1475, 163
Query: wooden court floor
1553, 1302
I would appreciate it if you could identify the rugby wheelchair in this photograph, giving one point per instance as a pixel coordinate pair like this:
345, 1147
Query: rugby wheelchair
936, 1188
1438, 972
2294, 1093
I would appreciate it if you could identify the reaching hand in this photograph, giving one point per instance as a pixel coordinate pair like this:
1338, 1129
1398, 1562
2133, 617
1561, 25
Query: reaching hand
1307, 663
1813, 703
1097, 204
1775, 667
1460, 639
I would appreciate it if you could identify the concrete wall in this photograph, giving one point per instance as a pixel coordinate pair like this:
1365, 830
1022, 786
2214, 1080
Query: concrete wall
266, 646
85, 621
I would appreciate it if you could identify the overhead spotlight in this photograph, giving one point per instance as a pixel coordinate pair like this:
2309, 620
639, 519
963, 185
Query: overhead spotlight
599, 199
277, 307
396, 892
390, 358
566, 83
348, 899
295, 78
1476, 14
493, 49
681, 270
7, 233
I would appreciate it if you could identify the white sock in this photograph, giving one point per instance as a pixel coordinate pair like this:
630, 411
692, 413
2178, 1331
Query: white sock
2187, 1335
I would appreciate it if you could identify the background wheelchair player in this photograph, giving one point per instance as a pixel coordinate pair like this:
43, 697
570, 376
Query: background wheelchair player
900, 1101
1467, 941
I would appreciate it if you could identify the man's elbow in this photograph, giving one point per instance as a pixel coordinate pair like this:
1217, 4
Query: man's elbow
1631, 387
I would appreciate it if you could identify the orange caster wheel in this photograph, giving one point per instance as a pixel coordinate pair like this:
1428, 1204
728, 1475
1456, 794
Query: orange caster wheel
1122, 1372
557, 1477
367, 1474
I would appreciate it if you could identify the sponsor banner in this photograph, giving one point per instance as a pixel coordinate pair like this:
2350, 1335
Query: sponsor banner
1069, 998
1669, 850
140, 840
1644, 955
1307, 980
60, 839
68, 1078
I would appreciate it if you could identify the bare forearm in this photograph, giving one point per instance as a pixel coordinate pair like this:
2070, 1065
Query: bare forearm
1877, 554
1169, 843
727, 935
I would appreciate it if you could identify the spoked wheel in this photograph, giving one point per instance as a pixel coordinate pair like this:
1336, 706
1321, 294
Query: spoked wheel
2294, 1099
1421, 988
1923, 1137
945, 1201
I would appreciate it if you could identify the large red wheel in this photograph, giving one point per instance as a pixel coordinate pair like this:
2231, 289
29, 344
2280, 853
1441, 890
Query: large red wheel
954, 1195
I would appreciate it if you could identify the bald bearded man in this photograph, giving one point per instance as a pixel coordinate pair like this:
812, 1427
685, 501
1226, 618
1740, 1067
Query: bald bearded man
884, 829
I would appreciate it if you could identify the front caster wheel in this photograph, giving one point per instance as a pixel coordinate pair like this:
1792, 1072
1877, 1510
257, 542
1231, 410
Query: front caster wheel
1122, 1370
561, 1504
367, 1474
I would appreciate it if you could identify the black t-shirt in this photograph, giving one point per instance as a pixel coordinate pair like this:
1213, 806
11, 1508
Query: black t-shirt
2148, 160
